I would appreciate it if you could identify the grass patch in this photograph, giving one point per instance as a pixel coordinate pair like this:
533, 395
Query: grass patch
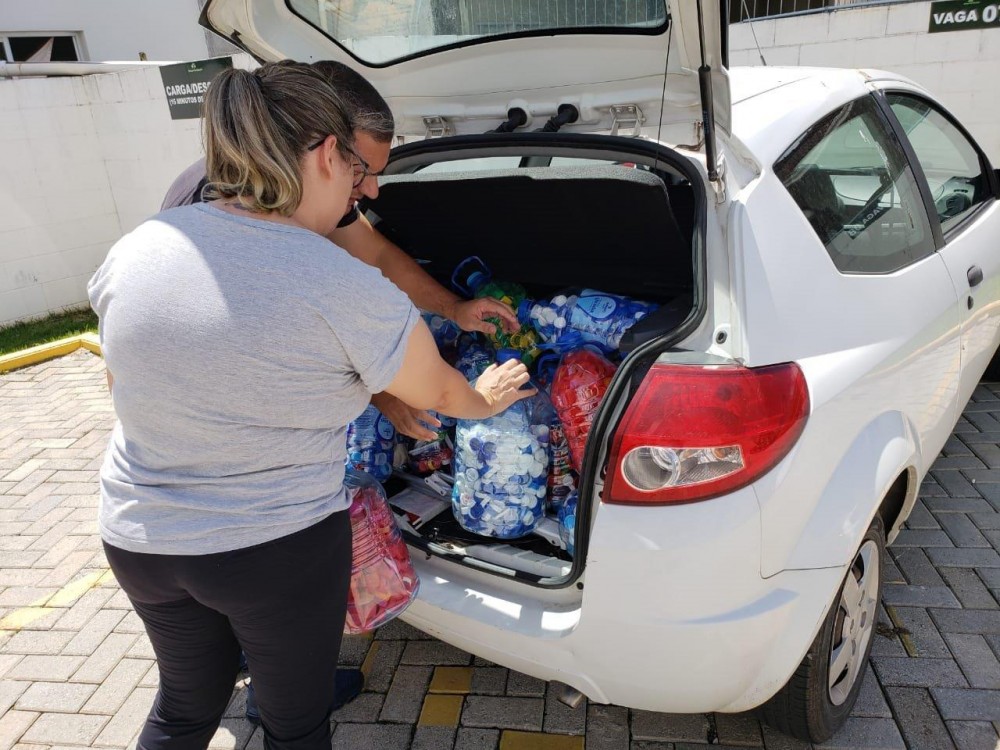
34, 332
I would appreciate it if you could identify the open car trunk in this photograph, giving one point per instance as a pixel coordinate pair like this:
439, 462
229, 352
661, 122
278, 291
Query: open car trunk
550, 212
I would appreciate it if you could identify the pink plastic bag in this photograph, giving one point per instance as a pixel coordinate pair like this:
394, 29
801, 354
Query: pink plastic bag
383, 581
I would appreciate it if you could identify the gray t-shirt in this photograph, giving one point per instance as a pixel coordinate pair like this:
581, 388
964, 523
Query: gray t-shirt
241, 349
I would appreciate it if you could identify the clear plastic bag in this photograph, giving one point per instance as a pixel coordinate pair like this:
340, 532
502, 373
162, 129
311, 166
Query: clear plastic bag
383, 581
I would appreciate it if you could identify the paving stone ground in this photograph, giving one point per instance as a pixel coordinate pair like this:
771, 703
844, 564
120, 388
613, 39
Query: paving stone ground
76, 669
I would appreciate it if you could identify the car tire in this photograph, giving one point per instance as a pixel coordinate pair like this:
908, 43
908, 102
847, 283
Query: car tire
992, 374
811, 706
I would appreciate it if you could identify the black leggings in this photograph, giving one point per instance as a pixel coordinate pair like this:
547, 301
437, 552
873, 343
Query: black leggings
283, 601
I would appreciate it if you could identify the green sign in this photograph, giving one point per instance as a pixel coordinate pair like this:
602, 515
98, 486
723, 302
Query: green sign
958, 15
185, 85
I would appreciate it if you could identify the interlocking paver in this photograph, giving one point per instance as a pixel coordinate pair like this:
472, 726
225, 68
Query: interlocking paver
503, 713
65, 729
919, 721
976, 705
648, 725
60, 697
976, 659
916, 672
13, 724
973, 735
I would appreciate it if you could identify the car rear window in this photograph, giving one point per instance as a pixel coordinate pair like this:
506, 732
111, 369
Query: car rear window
383, 31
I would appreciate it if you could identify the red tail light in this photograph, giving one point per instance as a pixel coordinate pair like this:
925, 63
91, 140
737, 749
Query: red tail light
692, 433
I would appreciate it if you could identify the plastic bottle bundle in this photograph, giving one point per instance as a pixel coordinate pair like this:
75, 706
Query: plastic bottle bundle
581, 381
383, 581
371, 440
567, 522
501, 473
589, 317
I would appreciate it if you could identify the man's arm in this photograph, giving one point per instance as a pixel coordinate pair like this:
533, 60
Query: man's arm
367, 244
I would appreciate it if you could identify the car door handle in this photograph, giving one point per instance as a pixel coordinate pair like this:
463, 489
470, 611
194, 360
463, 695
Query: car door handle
975, 275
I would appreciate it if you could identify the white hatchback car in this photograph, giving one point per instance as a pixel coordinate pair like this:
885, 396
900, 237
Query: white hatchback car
824, 245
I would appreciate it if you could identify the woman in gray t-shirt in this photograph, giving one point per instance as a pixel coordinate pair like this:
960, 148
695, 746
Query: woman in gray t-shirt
240, 343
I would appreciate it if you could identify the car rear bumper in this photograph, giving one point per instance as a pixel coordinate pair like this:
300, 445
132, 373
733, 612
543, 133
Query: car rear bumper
673, 614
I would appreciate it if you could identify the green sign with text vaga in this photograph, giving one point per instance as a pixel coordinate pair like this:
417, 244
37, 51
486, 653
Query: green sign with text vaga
957, 15
185, 85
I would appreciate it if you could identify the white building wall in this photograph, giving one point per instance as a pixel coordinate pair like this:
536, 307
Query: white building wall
82, 160
114, 29
960, 67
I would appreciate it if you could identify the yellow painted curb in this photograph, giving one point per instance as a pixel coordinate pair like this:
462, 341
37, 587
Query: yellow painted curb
44, 352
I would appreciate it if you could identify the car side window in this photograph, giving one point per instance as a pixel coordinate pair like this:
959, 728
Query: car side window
849, 175
951, 162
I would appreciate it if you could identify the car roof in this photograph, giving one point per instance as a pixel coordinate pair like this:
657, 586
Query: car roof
773, 106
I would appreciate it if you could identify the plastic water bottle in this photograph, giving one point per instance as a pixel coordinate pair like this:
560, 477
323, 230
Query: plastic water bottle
371, 441
567, 522
589, 317
561, 482
383, 581
580, 383
501, 473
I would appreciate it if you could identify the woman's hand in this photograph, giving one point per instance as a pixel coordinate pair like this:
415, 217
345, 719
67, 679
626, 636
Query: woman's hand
471, 315
407, 420
501, 385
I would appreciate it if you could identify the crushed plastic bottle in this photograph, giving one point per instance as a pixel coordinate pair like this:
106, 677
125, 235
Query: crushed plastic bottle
501, 473
588, 317
562, 481
371, 442
581, 381
383, 581
567, 522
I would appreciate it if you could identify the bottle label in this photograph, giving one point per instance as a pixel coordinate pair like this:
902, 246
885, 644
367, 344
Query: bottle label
598, 306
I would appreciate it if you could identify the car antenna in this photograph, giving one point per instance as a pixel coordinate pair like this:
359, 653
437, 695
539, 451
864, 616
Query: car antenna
663, 94
750, 21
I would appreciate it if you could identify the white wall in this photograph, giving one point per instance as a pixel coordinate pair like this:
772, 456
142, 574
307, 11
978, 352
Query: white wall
82, 160
114, 29
960, 67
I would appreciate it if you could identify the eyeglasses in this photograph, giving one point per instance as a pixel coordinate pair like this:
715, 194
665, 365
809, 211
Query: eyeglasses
359, 166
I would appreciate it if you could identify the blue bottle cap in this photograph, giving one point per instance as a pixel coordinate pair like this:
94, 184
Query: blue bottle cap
524, 311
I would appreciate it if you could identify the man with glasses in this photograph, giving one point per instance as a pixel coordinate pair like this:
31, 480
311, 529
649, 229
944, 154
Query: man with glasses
373, 134
374, 129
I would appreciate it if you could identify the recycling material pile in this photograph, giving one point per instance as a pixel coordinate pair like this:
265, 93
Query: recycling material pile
505, 475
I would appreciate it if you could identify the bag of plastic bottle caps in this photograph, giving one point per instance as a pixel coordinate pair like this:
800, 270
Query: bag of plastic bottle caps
371, 441
383, 581
588, 317
581, 380
501, 472
444, 331
567, 522
473, 278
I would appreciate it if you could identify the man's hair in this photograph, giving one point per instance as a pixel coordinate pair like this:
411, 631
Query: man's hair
370, 114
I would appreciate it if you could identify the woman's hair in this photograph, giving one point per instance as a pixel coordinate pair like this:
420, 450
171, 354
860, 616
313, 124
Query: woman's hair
258, 124
369, 111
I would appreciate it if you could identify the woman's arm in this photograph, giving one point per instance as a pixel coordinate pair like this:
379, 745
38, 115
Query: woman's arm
425, 381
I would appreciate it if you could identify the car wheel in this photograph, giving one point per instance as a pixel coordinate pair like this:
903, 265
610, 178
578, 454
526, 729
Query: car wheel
818, 698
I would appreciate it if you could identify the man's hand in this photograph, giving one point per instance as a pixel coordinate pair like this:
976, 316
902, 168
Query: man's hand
470, 315
405, 418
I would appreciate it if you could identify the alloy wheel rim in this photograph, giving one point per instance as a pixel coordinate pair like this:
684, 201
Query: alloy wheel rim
855, 622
